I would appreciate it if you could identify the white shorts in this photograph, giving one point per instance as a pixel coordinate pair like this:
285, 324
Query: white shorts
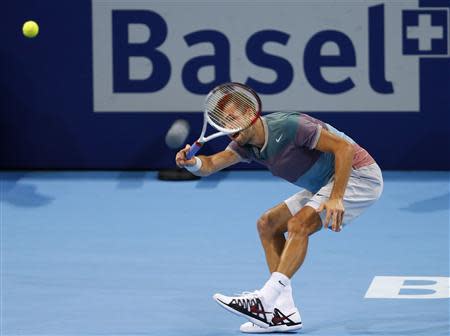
363, 189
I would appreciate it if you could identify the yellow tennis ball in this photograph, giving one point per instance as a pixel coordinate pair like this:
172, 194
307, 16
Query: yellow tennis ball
30, 29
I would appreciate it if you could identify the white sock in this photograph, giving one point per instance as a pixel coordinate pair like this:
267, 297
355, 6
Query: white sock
273, 288
285, 301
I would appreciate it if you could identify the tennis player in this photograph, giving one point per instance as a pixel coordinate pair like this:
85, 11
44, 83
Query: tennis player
339, 180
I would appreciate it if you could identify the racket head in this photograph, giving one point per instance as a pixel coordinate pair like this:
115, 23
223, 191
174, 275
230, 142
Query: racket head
232, 107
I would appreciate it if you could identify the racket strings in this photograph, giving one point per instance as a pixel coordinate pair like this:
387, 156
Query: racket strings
229, 121
232, 108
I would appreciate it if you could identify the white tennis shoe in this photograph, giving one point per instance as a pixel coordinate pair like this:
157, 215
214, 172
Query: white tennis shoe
280, 322
250, 305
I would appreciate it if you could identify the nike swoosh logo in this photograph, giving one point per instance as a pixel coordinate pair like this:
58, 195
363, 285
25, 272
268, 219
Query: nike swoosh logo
279, 138
279, 317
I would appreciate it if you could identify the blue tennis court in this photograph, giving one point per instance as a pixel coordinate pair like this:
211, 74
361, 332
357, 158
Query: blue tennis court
122, 253
100, 101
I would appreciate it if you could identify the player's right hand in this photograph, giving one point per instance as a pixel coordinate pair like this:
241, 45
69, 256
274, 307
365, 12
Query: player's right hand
181, 159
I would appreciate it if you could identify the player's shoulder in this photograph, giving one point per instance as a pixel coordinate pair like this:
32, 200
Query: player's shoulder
282, 115
282, 118
287, 116
287, 119
285, 123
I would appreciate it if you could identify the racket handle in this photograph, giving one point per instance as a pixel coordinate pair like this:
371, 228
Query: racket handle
194, 149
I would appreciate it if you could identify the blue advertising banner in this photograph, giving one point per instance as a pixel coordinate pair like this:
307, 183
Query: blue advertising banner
104, 80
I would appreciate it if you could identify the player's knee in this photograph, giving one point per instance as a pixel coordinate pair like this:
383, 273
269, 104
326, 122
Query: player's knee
265, 225
297, 227
302, 226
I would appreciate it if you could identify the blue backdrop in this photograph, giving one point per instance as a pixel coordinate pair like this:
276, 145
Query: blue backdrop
47, 118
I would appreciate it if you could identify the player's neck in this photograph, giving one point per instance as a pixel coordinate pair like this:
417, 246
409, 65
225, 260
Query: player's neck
259, 137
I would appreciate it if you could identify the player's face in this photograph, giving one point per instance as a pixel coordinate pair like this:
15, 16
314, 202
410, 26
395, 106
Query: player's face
233, 112
243, 137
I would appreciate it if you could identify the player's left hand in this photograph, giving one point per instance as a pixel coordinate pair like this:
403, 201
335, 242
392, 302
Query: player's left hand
335, 211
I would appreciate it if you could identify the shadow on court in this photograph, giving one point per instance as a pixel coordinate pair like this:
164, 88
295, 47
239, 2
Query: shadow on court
437, 203
132, 180
21, 194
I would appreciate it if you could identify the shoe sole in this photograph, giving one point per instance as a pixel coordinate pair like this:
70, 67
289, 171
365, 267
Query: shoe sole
238, 313
273, 329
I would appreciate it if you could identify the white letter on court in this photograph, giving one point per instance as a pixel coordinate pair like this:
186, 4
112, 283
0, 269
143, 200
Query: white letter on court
414, 287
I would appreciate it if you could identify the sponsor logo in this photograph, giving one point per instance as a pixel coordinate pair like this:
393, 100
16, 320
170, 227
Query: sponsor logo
409, 287
165, 57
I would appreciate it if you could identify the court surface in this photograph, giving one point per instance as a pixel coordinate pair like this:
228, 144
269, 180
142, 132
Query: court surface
115, 253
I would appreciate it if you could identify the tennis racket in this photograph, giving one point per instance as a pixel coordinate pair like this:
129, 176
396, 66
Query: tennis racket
229, 108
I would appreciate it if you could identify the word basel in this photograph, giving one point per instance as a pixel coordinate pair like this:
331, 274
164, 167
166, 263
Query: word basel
314, 60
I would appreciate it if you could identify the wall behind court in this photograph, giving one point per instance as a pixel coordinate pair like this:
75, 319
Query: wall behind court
105, 79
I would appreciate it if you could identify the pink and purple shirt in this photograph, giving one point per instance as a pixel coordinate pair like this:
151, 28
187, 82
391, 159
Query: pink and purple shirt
289, 150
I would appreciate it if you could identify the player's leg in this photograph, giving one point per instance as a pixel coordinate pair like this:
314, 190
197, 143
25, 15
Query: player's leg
273, 224
300, 226
303, 224
364, 188
271, 228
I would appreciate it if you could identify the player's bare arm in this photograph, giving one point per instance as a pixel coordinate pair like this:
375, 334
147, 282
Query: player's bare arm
343, 152
209, 164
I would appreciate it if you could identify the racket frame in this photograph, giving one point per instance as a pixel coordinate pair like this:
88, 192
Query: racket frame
222, 131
